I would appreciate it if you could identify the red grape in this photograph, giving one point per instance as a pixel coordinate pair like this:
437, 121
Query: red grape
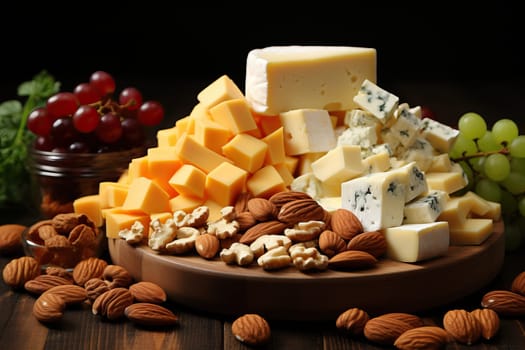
78, 147
62, 104
132, 132
43, 143
150, 113
86, 119
103, 81
39, 122
128, 95
109, 129
63, 132
87, 93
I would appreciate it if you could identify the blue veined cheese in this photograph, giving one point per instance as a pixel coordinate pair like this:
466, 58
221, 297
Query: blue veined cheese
364, 136
358, 117
413, 178
417, 111
411, 243
440, 136
388, 137
307, 130
384, 147
377, 101
406, 126
377, 199
421, 152
283, 78
425, 209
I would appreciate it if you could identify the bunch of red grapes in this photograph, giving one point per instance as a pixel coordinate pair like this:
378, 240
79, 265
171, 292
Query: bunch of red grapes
91, 120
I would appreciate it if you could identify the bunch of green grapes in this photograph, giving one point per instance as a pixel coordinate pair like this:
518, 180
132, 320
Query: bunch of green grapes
494, 161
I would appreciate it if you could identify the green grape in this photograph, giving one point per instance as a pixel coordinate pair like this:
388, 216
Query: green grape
517, 147
463, 147
514, 183
477, 164
513, 237
487, 143
488, 189
496, 167
472, 125
504, 131
509, 203
517, 165
521, 205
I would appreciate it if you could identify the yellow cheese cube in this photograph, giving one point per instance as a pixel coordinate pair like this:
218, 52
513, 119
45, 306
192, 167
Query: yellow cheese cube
479, 206
440, 163
90, 206
145, 195
330, 204
449, 182
304, 165
220, 90
185, 125
138, 167
225, 182
235, 115
215, 210
192, 152
285, 173
473, 231
186, 203
211, 135
376, 163
112, 194
265, 182
119, 220
291, 163
456, 211
163, 162
275, 142
246, 152
200, 112
268, 124
189, 180
124, 178
307, 130
339, 164
495, 211
167, 137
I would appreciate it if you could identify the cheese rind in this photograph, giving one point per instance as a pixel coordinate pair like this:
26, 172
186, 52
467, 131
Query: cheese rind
283, 78
416, 242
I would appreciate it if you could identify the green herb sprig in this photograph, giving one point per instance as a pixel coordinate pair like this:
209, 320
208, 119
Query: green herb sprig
15, 137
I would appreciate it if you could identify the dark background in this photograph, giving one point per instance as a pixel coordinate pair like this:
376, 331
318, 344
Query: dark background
452, 60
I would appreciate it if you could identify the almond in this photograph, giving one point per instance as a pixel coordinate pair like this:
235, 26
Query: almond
330, 243
281, 198
10, 239
18, 271
46, 232
352, 321
95, 287
147, 314
116, 276
426, 337
82, 236
352, 259
413, 320
345, 223
245, 220
301, 210
488, 320
66, 222
241, 203
59, 271
70, 293
385, 330
49, 308
504, 302
251, 329
88, 269
42, 283
207, 245
372, 242
273, 227
462, 326
147, 292
518, 284
262, 209
32, 231
112, 303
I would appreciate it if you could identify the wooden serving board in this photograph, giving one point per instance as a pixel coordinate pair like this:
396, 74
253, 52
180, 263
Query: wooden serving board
290, 294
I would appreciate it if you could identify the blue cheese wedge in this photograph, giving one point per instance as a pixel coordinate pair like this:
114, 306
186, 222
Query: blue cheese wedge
377, 101
441, 136
414, 179
425, 209
417, 242
377, 199
406, 126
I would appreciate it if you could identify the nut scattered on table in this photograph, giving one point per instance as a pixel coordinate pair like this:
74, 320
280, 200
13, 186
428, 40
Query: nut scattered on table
352, 321
462, 325
10, 239
152, 315
426, 337
251, 329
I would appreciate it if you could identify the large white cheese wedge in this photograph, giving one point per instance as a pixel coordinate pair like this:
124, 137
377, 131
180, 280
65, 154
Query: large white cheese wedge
282, 78
416, 242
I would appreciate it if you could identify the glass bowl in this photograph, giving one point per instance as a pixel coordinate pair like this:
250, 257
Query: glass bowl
60, 178
64, 251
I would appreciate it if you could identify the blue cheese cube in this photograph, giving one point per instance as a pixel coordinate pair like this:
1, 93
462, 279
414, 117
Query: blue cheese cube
406, 127
364, 136
358, 117
441, 136
421, 152
413, 178
377, 199
377, 101
425, 209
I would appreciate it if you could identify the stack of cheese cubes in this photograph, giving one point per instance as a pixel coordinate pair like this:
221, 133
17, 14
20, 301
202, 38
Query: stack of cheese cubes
311, 119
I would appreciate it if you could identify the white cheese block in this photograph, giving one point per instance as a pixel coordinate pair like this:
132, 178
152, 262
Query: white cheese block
308, 184
377, 199
307, 130
330, 204
283, 78
425, 209
377, 101
416, 242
